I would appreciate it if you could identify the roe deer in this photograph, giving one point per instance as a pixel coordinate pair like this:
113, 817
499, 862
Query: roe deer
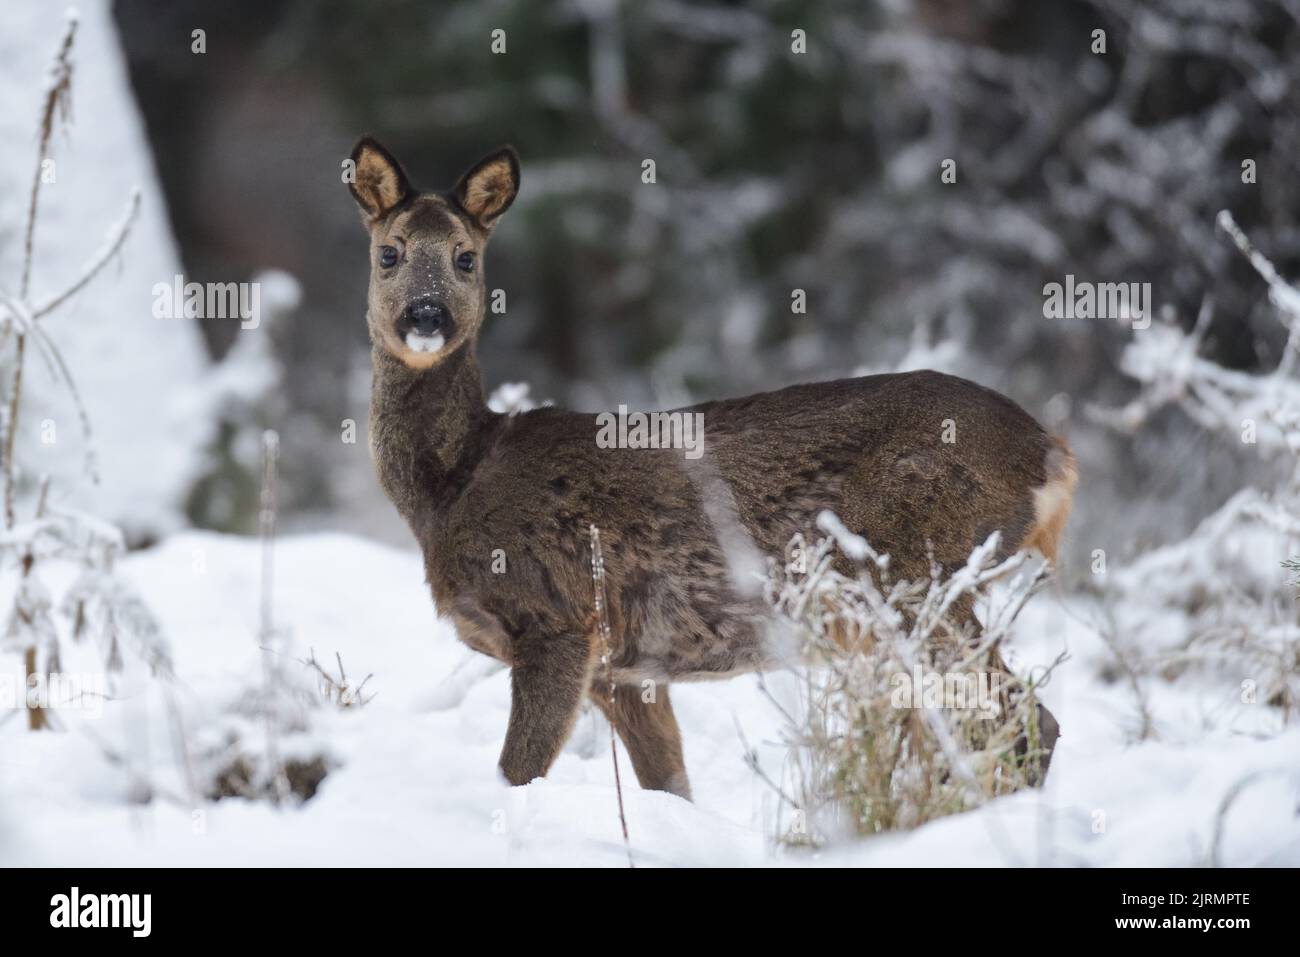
475, 485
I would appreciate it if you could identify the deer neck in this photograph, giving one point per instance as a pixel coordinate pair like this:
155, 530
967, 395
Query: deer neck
428, 429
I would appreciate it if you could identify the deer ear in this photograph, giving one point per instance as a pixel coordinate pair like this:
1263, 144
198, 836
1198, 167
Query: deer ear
379, 183
487, 190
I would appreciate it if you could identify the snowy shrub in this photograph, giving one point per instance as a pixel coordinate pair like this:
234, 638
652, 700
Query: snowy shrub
904, 713
99, 602
263, 748
1218, 602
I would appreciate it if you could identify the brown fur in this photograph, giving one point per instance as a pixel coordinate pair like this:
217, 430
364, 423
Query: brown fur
648, 729
470, 482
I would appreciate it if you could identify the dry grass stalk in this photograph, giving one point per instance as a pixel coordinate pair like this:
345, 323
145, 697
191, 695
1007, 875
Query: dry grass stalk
267, 636
339, 691
603, 630
56, 105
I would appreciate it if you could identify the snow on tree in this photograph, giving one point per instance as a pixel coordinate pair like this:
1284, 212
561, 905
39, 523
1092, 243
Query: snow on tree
140, 377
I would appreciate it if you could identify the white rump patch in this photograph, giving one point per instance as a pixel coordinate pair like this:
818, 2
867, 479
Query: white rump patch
418, 343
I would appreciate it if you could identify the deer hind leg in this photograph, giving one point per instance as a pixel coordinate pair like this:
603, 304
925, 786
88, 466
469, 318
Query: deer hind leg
1036, 744
1052, 502
1038, 741
649, 732
547, 681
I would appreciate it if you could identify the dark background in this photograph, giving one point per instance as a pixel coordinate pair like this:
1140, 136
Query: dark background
776, 171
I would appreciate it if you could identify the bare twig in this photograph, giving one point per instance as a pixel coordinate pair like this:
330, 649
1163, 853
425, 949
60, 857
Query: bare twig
267, 523
9, 464
102, 258
58, 102
338, 690
1213, 855
602, 628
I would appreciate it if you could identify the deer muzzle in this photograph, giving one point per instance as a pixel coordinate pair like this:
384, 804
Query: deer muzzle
425, 325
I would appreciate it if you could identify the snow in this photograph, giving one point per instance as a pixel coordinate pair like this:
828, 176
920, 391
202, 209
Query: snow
418, 343
139, 376
414, 780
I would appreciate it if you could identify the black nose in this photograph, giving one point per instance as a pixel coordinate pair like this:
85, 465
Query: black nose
426, 316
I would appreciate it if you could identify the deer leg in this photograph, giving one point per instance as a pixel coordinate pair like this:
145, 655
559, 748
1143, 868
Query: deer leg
649, 732
547, 682
1038, 741
1047, 731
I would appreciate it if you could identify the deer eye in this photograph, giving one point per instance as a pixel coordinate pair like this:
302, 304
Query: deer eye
388, 257
465, 262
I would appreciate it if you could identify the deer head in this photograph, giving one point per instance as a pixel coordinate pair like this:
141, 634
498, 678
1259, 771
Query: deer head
426, 297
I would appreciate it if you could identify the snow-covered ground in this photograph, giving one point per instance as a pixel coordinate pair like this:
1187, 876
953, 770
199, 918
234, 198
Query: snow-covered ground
414, 780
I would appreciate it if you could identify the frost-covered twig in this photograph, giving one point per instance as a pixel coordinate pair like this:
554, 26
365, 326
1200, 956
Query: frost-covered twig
1131, 671
1167, 364
1213, 854
338, 690
9, 463
1284, 297
116, 238
606, 660
57, 102
19, 313
267, 518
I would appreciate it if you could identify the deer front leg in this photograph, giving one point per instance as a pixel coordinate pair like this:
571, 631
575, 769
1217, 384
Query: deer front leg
547, 682
649, 732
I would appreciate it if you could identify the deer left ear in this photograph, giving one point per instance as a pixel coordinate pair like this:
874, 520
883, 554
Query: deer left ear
487, 190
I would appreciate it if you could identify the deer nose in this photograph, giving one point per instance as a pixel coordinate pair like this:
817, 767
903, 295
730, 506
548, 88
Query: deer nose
426, 316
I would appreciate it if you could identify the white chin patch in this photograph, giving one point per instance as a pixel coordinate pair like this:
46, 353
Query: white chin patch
418, 343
